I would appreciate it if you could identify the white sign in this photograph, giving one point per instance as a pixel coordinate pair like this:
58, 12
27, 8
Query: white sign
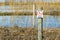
39, 13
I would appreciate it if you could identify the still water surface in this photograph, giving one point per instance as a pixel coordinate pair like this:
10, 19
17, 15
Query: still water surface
27, 21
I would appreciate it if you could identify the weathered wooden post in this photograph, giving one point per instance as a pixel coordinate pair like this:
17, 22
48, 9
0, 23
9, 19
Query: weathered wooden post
33, 15
40, 23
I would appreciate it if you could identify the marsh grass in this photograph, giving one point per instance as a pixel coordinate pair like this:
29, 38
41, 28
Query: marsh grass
19, 33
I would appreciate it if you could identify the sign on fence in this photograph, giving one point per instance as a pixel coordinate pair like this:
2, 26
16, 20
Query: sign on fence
39, 13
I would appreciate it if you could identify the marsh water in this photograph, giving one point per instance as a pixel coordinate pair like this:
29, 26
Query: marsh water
27, 21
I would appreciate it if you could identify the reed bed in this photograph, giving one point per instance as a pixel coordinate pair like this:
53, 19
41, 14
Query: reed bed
19, 33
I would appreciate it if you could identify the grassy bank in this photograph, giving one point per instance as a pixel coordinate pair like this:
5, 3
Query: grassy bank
19, 33
57, 13
51, 34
